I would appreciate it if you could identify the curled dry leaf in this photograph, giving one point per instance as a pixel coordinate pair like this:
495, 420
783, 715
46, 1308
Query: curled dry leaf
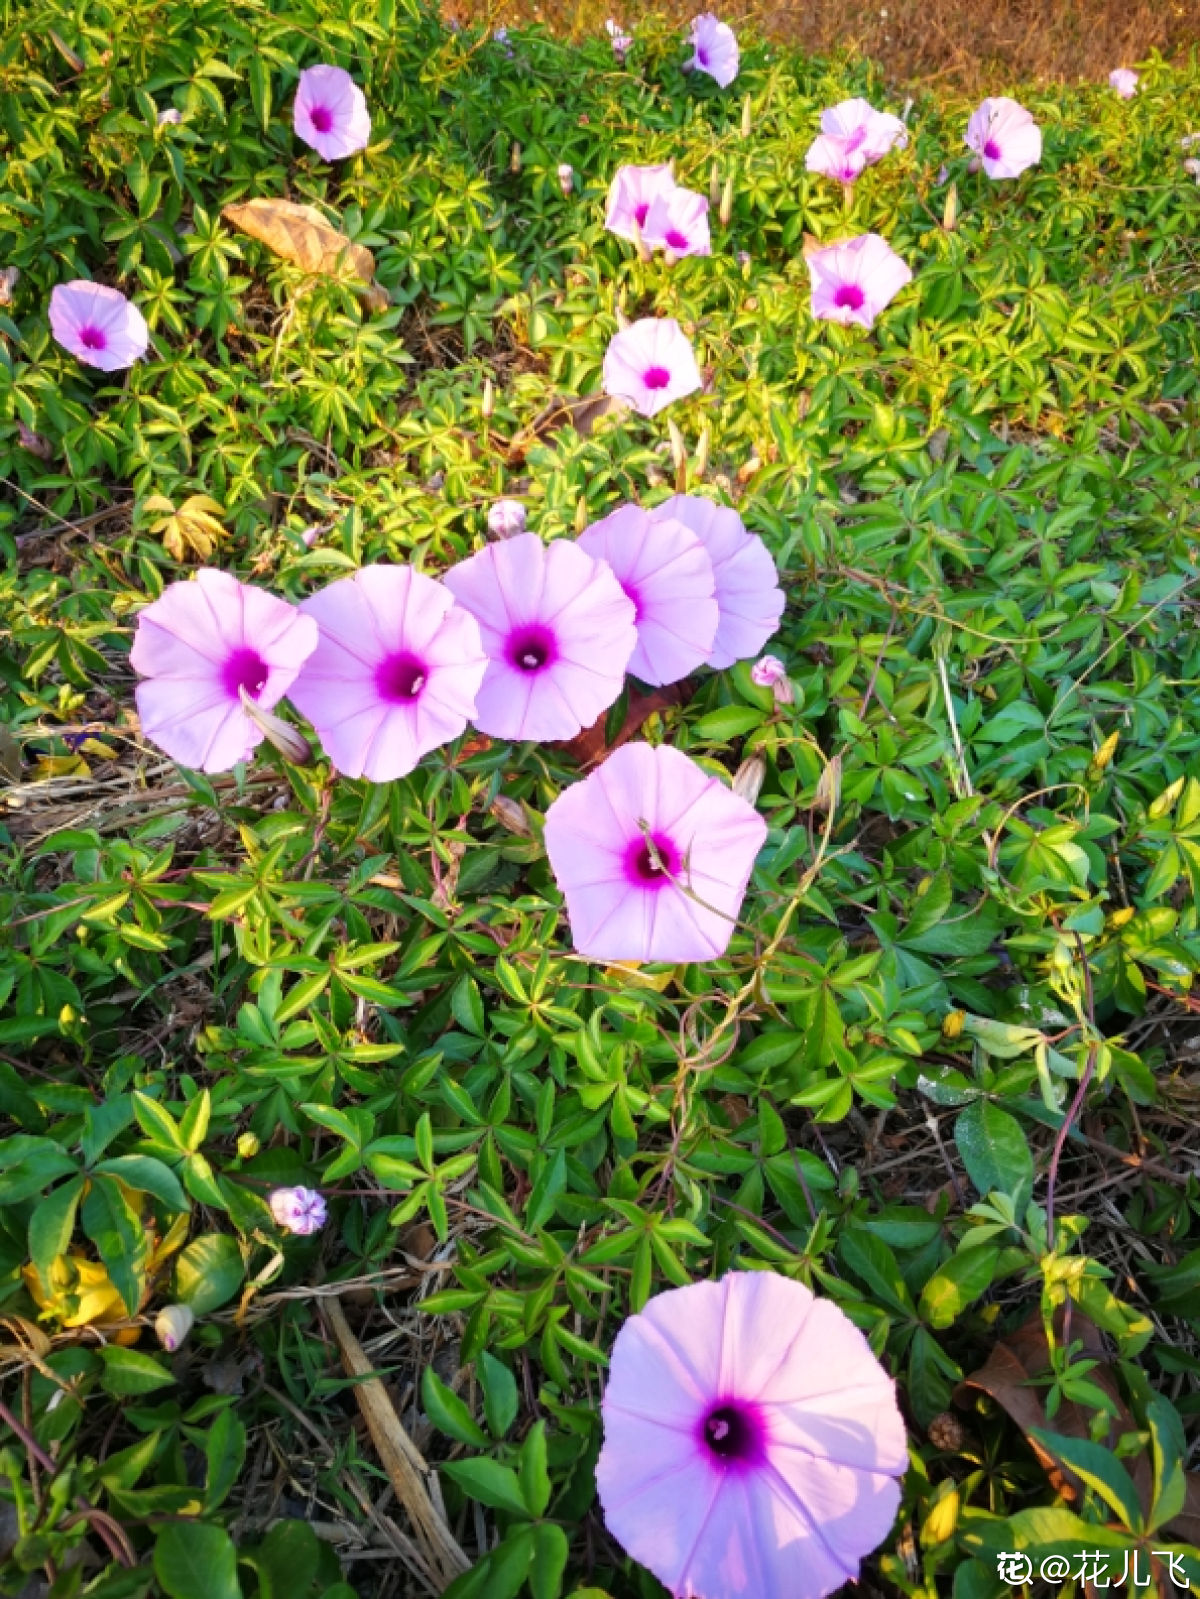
192, 530
591, 746
302, 235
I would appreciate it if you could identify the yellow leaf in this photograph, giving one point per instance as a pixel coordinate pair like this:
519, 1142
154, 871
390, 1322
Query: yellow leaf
300, 234
79, 1293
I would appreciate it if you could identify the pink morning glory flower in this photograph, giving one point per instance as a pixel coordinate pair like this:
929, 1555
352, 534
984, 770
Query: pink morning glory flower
678, 224
749, 599
1124, 82
714, 49
98, 325
752, 1441
394, 674
298, 1210
832, 157
1004, 137
169, 118
652, 856
198, 648
505, 519
861, 127
557, 631
622, 42
667, 574
767, 671
631, 193
330, 113
854, 281
649, 364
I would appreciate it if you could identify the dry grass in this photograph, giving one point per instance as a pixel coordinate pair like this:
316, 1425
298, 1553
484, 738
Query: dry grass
971, 44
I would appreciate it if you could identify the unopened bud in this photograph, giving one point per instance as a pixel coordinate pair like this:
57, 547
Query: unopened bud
566, 178
770, 672
748, 779
644, 252
1121, 918
1166, 799
950, 212
172, 1325
169, 117
506, 519
952, 1024
622, 319
8, 282
514, 164
714, 186
726, 212
511, 815
248, 1146
678, 456
746, 122
1104, 754
581, 515
488, 403
290, 744
829, 789
703, 449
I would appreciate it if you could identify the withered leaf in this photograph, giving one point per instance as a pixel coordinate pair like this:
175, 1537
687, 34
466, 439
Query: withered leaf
590, 747
302, 235
561, 412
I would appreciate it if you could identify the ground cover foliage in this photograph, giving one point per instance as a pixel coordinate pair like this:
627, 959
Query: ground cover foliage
945, 1074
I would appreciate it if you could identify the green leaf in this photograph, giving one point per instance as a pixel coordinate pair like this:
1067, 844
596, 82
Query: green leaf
500, 1398
149, 1176
195, 1560
157, 1123
959, 1283
193, 1129
115, 1228
731, 721
870, 1259
535, 1478
209, 1272
549, 1562
1168, 1446
1100, 1469
994, 1150
28, 1165
225, 1451
51, 1224
489, 1482
287, 1560
129, 1371
448, 1412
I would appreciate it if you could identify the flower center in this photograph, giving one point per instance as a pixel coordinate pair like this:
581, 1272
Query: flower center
702, 57
399, 679
245, 669
677, 240
733, 1434
322, 118
93, 338
641, 212
992, 150
849, 296
656, 377
652, 862
532, 649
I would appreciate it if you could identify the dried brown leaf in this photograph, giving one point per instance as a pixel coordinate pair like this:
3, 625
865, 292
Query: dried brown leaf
590, 748
562, 411
302, 235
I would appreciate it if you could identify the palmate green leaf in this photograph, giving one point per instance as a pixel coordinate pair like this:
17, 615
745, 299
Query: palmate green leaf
1100, 1469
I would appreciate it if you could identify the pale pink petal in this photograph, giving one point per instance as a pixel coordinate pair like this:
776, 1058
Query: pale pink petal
678, 223
395, 674
666, 572
330, 114
835, 158
714, 49
749, 599
557, 631
1004, 136
631, 193
1124, 82
649, 364
98, 325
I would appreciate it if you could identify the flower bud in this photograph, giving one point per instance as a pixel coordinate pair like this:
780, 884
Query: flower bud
714, 186
8, 282
172, 1325
248, 1146
514, 164
952, 1024
1104, 755
748, 779
950, 213
829, 789
726, 212
769, 672
1166, 799
298, 1210
1121, 918
678, 456
511, 815
488, 403
293, 746
581, 515
169, 117
703, 448
566, 178
505, 519
746, 122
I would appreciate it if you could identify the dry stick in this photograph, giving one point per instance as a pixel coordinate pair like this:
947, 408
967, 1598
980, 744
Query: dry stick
408, 1471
